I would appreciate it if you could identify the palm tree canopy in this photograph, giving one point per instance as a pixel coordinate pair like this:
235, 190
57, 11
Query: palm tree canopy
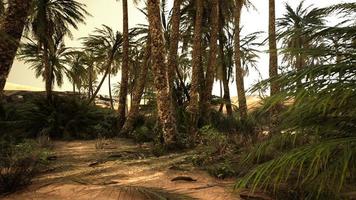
32, 53
55, 16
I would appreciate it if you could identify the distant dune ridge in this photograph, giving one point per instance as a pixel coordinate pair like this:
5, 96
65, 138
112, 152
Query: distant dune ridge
252, 101
14, 86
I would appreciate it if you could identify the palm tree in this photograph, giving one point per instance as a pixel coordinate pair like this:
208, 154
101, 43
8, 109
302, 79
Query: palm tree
273, 61
173, 41
239, 71
226, 51
297, 30
105, 45
90, 62
161, 80
137, 92
125, 67
77, 72
194, 108
210, 71
273, 57
32, 53
54, 17
11, 28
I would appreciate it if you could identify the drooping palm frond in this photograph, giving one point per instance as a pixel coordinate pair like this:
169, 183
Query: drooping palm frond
324, 168
318, 123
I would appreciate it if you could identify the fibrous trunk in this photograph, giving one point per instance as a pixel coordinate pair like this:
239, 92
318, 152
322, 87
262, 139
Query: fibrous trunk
194, 108
166, 117
124, 68
137, 93
239, 71
209, 78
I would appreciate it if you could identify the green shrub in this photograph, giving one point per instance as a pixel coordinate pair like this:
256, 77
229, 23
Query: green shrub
65, 117
222, 170
222, 122
19, 163
213, 152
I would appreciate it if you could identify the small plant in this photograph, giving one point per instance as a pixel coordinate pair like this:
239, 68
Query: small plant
44, 141
100, 142
222, 170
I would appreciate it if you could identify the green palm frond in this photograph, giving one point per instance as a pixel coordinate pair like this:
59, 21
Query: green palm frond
314, 155
324, 167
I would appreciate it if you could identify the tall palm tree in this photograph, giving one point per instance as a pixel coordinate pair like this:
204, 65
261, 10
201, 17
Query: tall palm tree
210, 71
297, 29
196, 80
125, 66
239, 71
173, 41
54, 17
105, 45
90, 62
32, 53
137, 92
273, 62
12, 24
77, 71
161, 80
226, 50
273, 57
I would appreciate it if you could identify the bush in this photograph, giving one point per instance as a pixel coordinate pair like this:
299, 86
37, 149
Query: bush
222, 170
19, 163
222, 122
214, 153
145, 129
66, 117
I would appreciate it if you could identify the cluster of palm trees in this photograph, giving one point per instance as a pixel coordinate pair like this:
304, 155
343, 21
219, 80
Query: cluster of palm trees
47, 22
181, 54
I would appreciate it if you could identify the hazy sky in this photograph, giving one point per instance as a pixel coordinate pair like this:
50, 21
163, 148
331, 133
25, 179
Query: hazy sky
109, 12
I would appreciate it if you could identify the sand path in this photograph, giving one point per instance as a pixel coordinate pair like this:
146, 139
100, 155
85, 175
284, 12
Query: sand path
80, 171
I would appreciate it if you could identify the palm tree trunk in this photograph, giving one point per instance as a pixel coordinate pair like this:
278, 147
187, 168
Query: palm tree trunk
273, 58
11, 28
239, 71
48, 72
273, 65
173, 42
225, 80
125, 67
109, 85
221, 96
108, 66
90, 92
194, 108
210, 71
164, 94
73, 87
137, 93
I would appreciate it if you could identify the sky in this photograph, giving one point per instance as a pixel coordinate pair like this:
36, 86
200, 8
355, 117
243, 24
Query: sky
109, 12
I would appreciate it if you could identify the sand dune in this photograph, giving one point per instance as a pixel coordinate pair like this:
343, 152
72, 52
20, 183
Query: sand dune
14, 86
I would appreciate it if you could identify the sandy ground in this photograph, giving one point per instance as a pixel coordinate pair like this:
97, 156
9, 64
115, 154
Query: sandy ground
81, 171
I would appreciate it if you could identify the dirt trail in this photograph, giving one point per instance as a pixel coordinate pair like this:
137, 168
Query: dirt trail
81, 171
